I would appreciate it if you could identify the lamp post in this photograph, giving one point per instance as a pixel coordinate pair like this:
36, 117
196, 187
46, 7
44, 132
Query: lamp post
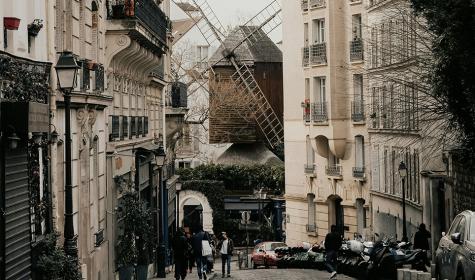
161, 252
403, 173
66, 70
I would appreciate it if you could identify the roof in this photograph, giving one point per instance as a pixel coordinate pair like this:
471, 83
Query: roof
264, 50
182, 26
248, 154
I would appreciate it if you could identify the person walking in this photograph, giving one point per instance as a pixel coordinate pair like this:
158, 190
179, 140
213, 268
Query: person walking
190, 258
180, 250
333, 242
226, 247
421, 241
197, 244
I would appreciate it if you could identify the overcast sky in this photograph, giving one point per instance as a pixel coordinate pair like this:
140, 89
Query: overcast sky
232, 12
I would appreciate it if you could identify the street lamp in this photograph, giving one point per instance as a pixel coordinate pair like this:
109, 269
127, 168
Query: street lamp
66, 70
403, 173
160, 156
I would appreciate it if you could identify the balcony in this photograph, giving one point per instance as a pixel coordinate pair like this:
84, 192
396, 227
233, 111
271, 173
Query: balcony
356, 49
318, 53
311, 228
305, 56
317, 4
145, 12
359, 172
319, 112
306, 112
304, 4
309, 168
357, 111
334, 170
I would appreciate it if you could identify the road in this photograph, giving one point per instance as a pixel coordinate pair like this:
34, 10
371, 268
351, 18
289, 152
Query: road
281, 274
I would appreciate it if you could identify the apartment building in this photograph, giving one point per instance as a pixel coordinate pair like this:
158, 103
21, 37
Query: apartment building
325, 119
404, 125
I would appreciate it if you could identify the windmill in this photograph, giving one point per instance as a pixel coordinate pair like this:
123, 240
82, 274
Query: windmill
257, 27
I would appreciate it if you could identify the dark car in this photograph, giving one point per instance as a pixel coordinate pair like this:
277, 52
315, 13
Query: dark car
455, 256
264, 254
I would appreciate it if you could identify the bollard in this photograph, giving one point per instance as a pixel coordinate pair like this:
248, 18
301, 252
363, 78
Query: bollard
400, 274
407, 274
423, 276
432, 270
414, 274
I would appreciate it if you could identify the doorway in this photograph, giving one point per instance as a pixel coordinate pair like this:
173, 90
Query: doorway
336, 213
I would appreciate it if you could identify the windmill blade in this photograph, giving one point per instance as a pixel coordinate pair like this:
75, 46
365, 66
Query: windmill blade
196, 77
267, 120
261, 24
209, 25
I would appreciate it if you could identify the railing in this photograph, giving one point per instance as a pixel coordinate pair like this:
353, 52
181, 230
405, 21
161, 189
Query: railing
358, 172
312, 228
309, 168
318, 53
146, 11
355, 1
317, 4
357, 111
356, 49
304, 4
305, 56
333, 170
319, 112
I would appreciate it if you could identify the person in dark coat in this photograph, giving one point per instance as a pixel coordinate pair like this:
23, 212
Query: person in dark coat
190, 258
180, 252
421, 241
201, 260
333, 242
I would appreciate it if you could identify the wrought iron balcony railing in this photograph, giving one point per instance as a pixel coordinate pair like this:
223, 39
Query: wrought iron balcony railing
305, 56
358, 172
312, 228
318, 53
317, 4
304, 4
319, 112
309, 168
356, 49
357, 111
333, 170
306, 112
145, 11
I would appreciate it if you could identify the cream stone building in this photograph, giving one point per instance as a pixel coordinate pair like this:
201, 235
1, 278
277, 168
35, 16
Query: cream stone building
326, 137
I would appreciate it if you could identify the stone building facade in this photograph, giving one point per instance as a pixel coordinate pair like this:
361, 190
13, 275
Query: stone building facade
326, 139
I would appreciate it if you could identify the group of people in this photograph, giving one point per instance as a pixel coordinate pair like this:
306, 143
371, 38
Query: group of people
200, 249
333, 241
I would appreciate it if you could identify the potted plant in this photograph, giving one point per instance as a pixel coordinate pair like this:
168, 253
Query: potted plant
126, 246
145, 240
11, 23
35, 27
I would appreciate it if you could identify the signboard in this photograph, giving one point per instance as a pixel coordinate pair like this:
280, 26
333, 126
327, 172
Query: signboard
251, 227
38, 117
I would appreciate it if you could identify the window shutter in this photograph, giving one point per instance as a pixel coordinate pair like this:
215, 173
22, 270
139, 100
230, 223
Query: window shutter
375, 167
115, 127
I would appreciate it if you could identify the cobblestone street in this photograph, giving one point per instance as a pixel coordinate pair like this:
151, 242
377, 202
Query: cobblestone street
282, 274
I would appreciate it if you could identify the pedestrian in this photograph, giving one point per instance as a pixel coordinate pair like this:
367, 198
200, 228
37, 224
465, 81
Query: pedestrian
332, 245
190, 256
226, 248
180, 251
197, 244
421, 241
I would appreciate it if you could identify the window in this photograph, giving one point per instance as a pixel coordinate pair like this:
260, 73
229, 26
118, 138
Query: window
356, 26
305, 34
359, 151
125, 127
375, 167
307, 89
115, 127
311, 212
202, 54
319, 30
310, 153
358, 87
319, 89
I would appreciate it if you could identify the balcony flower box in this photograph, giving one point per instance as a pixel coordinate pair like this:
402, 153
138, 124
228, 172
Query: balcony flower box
11, 23
35, 27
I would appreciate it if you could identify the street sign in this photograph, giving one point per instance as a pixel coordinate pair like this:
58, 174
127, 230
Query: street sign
245, 217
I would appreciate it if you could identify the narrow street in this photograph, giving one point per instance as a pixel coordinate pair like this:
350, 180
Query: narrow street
282, 274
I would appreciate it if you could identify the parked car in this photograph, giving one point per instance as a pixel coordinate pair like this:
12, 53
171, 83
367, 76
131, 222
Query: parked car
264, 254
455, 256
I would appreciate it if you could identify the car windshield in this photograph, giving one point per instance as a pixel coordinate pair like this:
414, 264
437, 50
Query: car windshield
472, 230
273, 246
